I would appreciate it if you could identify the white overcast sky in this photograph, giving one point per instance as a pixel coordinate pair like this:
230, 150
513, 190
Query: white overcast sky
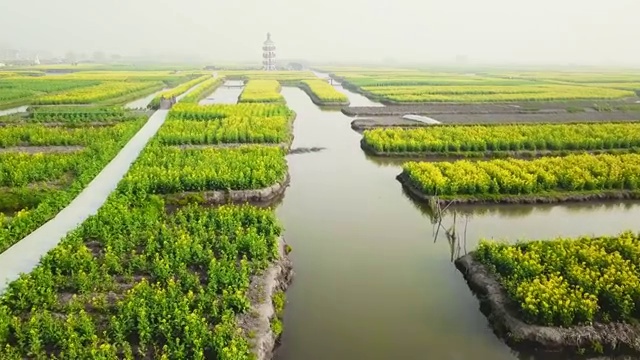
522, 31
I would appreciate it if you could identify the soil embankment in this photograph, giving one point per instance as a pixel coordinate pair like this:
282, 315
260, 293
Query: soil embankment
256, 322
479, 155
547, 198
218, 197
372, 122
612, 338
42, 149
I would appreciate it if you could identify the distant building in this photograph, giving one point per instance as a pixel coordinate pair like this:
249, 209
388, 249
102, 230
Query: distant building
2, 64
269, 54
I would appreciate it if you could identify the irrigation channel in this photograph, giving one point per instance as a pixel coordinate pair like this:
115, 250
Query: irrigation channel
227, 93
371, 281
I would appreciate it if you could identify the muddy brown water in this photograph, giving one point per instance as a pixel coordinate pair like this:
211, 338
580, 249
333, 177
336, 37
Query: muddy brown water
370, 281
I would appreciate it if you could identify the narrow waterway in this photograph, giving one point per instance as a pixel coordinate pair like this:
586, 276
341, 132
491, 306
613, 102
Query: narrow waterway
142, 103
371, 282
227, 93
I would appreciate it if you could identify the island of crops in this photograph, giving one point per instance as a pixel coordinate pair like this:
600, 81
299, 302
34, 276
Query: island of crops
580, 177
324, 94
568, 296
261, 91
514, 140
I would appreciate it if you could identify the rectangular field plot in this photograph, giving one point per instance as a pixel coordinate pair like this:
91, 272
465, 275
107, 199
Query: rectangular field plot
170, 170
261, 91
17, 91
104, 91
227, 124
570, 178
497, 140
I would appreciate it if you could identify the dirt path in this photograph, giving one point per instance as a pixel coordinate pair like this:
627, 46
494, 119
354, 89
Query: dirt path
42, 149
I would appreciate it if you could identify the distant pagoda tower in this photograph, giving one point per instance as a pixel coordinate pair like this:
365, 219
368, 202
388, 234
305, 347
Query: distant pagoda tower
269, 54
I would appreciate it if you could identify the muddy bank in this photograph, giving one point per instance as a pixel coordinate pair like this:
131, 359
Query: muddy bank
256, 322
415, 192
382, 122
361, 124
316, 100
255, 196
592, 116
541, 108
284, 146
429, 109
479, 155
613, 338
42, 149
306, 150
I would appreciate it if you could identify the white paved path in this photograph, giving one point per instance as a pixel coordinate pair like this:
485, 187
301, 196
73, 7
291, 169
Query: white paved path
13, 111
25, 255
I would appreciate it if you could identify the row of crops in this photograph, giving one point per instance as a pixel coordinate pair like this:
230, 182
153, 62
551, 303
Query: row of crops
104, 91
38, 135
474, 139
261, 91
141, 280
106, 87
473, 94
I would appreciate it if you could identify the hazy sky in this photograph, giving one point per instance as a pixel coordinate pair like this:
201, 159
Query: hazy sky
557, 31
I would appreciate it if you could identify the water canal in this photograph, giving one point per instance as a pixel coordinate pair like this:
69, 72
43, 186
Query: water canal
227, 93
371, 282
